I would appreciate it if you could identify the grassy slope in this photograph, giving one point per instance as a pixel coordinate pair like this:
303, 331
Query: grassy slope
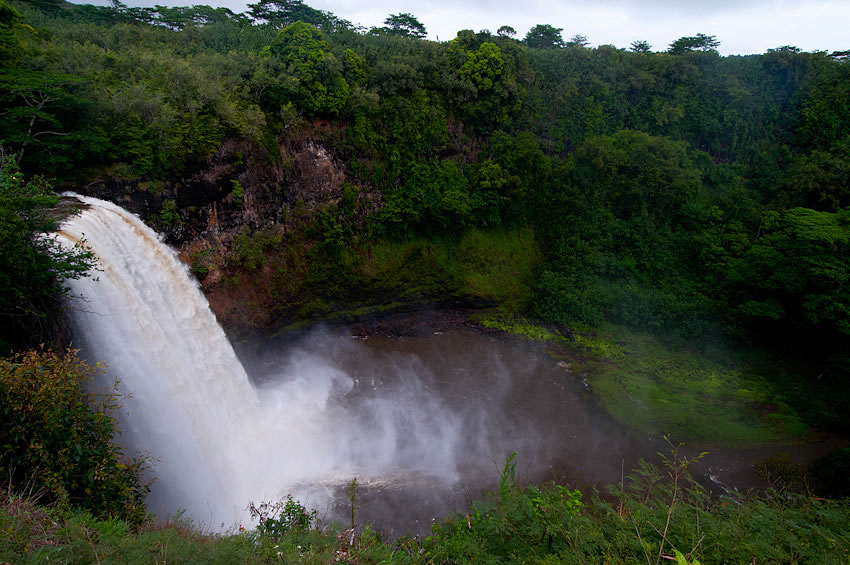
668, 387
492, 267
528, 524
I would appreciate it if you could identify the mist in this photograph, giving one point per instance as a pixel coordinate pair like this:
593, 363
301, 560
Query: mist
432, 416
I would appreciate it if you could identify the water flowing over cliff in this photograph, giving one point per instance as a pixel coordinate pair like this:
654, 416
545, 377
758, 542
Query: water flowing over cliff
220, 440
188, 399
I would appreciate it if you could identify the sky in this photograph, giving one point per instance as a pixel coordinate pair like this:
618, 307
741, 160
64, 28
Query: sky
742, 26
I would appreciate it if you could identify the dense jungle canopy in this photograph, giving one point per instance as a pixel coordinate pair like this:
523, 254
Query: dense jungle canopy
309, 169
672, 189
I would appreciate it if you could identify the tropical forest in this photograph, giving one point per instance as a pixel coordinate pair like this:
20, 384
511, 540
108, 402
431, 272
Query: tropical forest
277, 288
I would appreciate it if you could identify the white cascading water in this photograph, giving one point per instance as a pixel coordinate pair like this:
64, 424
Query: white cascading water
145, 317
220, 442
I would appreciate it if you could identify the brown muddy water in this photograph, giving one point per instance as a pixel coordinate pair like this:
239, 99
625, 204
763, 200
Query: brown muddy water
428, 422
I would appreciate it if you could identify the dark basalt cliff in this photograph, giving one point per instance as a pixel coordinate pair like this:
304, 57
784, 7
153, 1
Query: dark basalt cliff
241, 190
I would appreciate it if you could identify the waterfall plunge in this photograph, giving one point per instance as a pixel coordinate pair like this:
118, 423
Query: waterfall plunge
188, 401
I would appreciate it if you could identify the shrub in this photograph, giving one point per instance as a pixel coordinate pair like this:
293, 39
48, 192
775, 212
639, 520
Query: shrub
277, 518
58, 436
33, 268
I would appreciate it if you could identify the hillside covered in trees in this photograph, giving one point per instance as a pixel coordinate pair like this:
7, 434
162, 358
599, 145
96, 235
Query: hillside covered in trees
308, 169
675, 189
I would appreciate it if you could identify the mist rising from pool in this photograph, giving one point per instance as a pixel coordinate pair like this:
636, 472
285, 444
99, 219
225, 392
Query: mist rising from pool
429, 418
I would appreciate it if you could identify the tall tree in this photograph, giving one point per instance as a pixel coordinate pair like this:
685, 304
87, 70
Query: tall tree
506, 31
281, 13
402, 25
544, 36
699, 42
309, 73
35, 106
640, 46
578, 40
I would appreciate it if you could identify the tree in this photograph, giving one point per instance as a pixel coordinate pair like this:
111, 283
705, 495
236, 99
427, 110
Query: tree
9, 17
797, 271
640, 47
47, 6
11, 26
35, 104
402, 25
483, 67
33, 267
58, 436
699, 42
544, 36
506, 31
179, 17
313, 76
639, 174
281, 13
578, 41
842, 56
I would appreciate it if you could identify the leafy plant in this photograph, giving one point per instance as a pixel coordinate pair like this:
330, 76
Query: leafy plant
278, 518
33, 266
169, 214
59, 437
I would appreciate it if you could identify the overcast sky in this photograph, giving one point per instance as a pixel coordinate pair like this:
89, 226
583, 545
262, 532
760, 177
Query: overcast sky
742, 26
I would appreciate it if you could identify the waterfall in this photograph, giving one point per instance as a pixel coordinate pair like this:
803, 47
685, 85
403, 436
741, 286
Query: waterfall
187, 399
220, 441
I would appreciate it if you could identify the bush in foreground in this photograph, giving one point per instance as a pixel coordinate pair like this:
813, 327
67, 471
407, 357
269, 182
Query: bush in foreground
56, 437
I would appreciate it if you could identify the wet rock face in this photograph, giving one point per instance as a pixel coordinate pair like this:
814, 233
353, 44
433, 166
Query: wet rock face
240, 189
238, 186
317, 178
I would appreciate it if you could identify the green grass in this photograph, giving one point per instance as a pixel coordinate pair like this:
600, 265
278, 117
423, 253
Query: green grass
494, 266
497, 265
668, 387
516, 524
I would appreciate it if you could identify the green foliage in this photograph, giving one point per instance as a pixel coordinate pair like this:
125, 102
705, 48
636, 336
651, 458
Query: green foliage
797, 271
516, 326
564, 298
10, 23
281, 13
33, 266
313, 76
248, 250
200, 266
660, 387
278, 518
658, 513
699, 42
483, 67
638, 174
499, 266
59, 437
169, 214
506, 31
238, 191
42, 115
544, 36
484, 267
640, 46
402, 25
